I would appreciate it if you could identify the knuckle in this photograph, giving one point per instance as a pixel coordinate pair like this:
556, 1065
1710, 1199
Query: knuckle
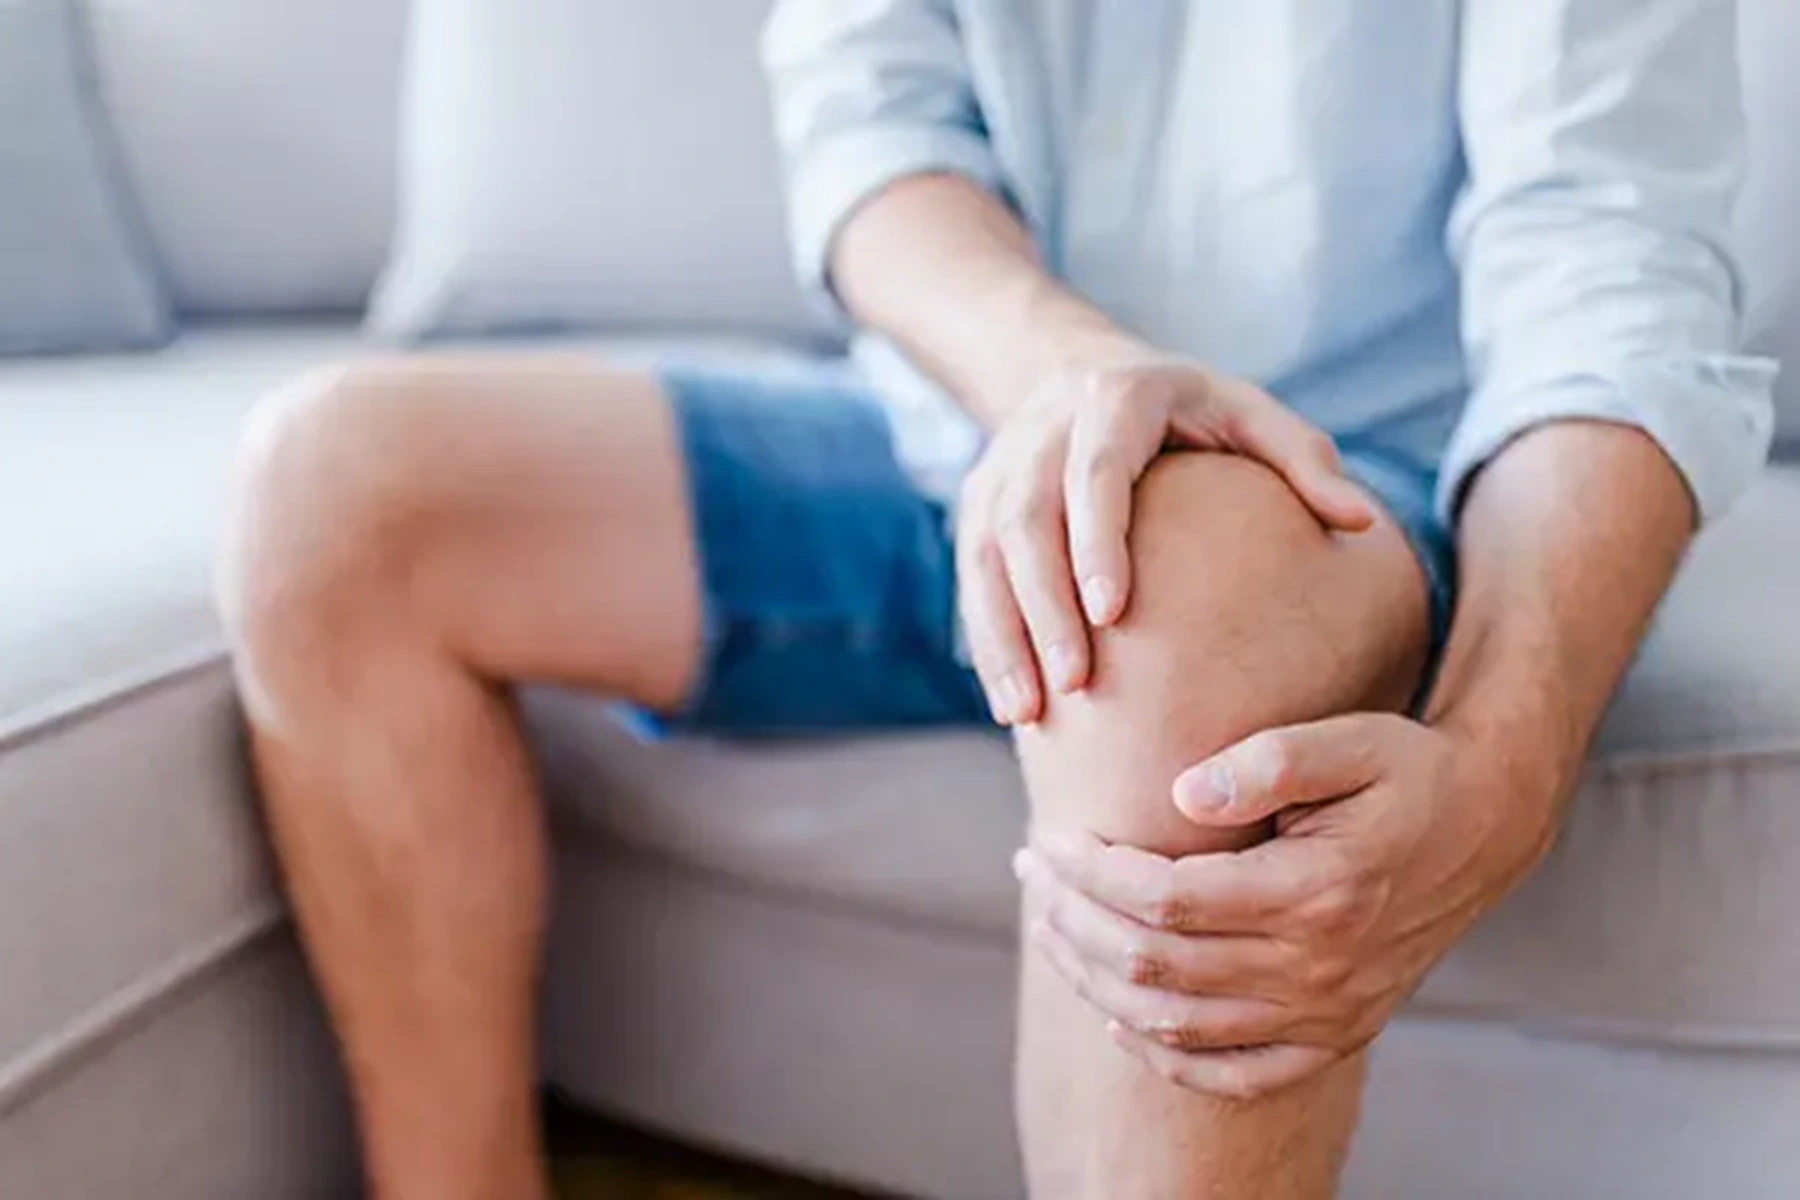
1112, 386
981, 556
1179, 1035
1334, 907
1144, 967
1026, 512
1296, 965
1099, 463
1327, 974
1170, 911
1278, 764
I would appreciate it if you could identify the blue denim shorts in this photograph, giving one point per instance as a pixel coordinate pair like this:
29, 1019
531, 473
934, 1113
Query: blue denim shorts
829, 579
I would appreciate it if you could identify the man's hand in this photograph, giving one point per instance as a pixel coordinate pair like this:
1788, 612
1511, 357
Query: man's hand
1242, 973
1077, 409
1044, 515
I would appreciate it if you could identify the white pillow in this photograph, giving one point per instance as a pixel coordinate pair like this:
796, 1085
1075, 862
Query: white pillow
259, 137
587, 164
75, 274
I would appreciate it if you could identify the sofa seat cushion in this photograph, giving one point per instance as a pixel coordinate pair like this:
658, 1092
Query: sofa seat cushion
131, 863
1665, 913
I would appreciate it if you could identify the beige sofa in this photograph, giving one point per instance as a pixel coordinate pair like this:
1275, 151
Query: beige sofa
801, 952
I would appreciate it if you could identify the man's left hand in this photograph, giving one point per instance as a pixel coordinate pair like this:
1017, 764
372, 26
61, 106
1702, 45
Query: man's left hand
1239, 974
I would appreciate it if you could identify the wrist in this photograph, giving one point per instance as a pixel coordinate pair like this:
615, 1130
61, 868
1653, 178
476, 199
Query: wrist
1523, 778
1045, 336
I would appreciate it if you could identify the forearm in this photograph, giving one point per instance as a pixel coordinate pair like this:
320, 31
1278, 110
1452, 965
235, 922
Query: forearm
1568, 539
946, 271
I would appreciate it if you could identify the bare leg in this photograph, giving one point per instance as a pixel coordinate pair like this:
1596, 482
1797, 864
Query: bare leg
409, 538
1246, 615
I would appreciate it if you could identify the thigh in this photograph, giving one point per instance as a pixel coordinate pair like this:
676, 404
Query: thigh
522, 515
736, 551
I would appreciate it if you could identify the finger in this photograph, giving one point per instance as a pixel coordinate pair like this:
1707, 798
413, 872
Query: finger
1113, 944
1102, 470
998, 646
1245, 891
1175, 1020
1282, 768
1245, 1074
1034, 543
1304, 456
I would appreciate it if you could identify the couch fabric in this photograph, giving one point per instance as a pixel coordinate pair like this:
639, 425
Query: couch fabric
818, 937
74, 269
795, 950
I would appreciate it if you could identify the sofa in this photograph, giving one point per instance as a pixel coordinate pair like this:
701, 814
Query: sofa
801, 953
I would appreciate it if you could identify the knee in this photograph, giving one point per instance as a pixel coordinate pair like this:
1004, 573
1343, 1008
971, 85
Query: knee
1219, 642
324, 513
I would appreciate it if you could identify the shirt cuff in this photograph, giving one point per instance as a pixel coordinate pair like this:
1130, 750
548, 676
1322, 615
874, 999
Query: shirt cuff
830, 181
1712, 416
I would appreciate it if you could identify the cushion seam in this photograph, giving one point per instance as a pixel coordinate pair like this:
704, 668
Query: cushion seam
36, 719
1649, 764
107, 1021
1743, 1036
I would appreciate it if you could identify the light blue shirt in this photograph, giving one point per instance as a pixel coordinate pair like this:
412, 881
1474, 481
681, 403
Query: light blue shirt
1437, 223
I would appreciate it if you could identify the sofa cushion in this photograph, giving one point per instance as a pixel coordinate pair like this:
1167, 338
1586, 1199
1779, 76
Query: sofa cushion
565, 166
259, 136
1664, 913
74, 274
129, 860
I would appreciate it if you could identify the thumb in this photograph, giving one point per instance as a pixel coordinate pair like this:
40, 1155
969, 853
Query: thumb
1280, 769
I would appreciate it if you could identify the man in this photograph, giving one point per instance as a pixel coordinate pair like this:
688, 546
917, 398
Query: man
1128, 261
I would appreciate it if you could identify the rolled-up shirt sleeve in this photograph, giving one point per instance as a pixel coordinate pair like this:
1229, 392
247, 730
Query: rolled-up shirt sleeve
1604, 141
866, 92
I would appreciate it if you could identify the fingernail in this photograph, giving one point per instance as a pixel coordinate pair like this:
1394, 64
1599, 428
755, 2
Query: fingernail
1021, 864
1064, 665
1010, 698
1223, 783
1356, 498
1100, 598
1209, 788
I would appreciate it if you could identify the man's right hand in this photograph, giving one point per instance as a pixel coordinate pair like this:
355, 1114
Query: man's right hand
1041, 538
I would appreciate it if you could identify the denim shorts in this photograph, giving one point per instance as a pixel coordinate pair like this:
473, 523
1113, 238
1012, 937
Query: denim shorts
828, 577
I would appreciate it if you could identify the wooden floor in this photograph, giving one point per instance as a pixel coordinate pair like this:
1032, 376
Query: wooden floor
597, 1160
